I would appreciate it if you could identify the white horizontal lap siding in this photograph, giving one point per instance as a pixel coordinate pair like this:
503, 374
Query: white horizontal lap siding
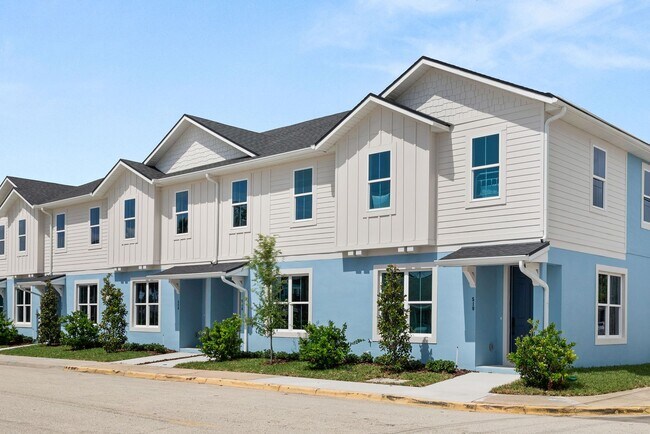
407, 223
199, 244
30, 261
195, 147
572, 220
303, 237
121, 252
78, 254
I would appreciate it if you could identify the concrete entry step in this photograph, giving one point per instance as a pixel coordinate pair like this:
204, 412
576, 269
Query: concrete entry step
497, 369
159, 358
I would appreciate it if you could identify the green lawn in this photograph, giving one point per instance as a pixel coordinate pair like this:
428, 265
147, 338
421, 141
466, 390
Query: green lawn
64, 352
361, 372
591, 381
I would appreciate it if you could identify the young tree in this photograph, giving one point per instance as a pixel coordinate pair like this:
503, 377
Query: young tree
392, 323
112, 328
49, 322
269, 314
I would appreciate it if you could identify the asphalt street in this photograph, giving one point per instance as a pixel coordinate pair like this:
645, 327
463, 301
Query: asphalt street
53, 400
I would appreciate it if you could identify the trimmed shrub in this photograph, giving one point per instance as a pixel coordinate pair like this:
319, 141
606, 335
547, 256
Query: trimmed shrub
366, 358
49, 321
325, 346
440, 366
152, 348
222, 341
352, 359
543, 358
264, 354
392, 322
8, 332
112, 328
80, 332
414, 365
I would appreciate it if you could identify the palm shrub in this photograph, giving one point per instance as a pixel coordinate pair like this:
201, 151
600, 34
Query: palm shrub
325, 346
222, 341
112, 328
8, 331
80, 332
392, 322
543, 358
49, 321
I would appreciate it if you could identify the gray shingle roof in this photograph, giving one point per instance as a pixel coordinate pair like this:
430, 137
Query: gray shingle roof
225, 267
39, 192
496, 250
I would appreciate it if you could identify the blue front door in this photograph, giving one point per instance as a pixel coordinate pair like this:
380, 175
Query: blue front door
521, 305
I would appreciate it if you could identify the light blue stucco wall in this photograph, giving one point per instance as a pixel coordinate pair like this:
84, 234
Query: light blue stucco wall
10, 309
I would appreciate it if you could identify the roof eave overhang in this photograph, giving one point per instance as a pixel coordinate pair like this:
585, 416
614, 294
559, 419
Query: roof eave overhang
364, 108
58, 281
539, 256
178, 128
8, 200
108, 180
207, 275
417, 69
66, 202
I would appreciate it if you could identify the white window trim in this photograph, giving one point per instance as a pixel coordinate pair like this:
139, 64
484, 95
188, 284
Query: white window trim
18, 251
58, 231
237, 229
375, 212
593, 176
126, 240
290, 333
613, 340
416, 338
91, 226
16, 306
140, 328
4, 240
303, 222
645, 168
79, 283
470, 202
187, 234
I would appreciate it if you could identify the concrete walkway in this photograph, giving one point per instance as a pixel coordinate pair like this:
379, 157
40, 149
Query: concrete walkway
170, 359
468, 392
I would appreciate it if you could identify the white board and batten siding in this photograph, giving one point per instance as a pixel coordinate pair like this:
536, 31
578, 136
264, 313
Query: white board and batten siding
476, 110
408, 221
31, 260
78, 254
199, 244
270, 210
3, 258
573, 222
144, 250
196, 147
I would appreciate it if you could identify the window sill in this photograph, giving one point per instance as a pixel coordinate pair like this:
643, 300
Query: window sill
126, 242
596, 210
145, 329
23, 325
611, 341
303, 223
423, 339
180, 237
95, 247
482, 203
644, 225
240, 230
290, 334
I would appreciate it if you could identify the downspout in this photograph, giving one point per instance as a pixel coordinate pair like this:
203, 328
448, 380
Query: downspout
547, 127
242, 296
51, 239
537, 281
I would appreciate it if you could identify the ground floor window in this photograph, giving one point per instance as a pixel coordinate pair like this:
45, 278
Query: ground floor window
295, 296
146, 304
419, 299
87, 301
610, 305
23, 307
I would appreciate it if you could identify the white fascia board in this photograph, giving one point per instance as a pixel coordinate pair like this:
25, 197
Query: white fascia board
66, 202
187, 276
325, 142
182, 123
493, 260
466, 74
107, 179
285, 157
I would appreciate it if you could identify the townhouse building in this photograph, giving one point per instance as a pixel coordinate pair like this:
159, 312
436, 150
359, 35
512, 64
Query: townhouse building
499, 203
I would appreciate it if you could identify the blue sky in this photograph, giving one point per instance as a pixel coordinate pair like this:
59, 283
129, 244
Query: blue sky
85, 83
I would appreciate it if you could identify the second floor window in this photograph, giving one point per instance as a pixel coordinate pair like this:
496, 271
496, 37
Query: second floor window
303, 196
182, 212
599, 178
129, 219
240, 203
2, 240
485, 167
60, 231
94, 226
379, 180
22, 235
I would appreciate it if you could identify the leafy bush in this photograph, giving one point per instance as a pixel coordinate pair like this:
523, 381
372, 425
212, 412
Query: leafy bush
543, 358
80, 332
8, 333
414, 365
112, 328
440, 366
152, 348
366, 358
222, 341
265, 354
49, 322
325, 346
392, 322
352, 359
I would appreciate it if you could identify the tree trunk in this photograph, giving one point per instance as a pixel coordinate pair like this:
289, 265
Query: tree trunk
271, 347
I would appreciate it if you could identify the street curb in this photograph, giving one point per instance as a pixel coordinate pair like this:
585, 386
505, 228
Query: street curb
377, 397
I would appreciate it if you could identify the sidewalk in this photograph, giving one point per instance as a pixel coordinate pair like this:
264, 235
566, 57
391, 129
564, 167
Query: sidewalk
468, 392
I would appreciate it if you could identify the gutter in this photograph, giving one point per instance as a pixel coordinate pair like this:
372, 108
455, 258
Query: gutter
242, 294
545, 157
